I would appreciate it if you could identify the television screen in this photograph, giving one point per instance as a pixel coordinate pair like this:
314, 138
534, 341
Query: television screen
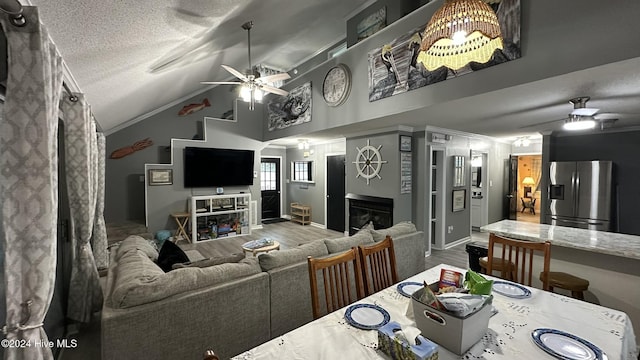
210, 167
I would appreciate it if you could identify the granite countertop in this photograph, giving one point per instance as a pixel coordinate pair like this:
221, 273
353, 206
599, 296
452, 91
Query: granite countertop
623, 245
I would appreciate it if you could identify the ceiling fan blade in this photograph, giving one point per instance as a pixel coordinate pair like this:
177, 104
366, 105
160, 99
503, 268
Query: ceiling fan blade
220, 82
235, 72
274, 90
585, 111
273, 78
542, 123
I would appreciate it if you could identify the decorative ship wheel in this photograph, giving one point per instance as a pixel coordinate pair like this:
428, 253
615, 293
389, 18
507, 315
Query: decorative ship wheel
368, 162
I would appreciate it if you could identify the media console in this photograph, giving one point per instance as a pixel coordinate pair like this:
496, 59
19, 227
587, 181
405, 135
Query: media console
217, 216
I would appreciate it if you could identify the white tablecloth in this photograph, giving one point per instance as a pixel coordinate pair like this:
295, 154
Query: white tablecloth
508, 336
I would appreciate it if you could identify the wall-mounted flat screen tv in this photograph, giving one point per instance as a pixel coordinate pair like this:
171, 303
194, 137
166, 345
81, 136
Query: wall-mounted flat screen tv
210, 167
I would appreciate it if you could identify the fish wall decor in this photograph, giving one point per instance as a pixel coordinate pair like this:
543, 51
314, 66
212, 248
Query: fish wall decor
128, 150
191, 108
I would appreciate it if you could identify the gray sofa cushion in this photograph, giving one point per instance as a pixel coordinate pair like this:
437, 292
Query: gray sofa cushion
216, 260
279, 258
336, 245
137, 243
139, 280
401, 228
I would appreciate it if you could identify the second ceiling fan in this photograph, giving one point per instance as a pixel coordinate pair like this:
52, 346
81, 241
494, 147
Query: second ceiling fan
253, 85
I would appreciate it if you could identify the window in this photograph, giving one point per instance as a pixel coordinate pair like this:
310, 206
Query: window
268, 176
302, 171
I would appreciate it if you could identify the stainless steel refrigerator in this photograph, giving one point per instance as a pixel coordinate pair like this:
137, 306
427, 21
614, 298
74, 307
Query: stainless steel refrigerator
580, 194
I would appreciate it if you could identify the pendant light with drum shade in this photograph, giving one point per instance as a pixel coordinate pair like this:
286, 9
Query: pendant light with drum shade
459, 32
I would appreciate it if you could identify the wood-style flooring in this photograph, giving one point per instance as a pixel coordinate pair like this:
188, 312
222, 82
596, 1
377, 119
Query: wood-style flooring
290, 234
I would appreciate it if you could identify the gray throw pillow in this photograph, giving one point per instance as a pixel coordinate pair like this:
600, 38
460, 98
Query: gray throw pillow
362, 237
216, 260
137, 242
401, 228
275, 259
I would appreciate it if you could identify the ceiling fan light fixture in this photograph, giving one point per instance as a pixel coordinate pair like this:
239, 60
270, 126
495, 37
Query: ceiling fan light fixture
459, 32
576, 122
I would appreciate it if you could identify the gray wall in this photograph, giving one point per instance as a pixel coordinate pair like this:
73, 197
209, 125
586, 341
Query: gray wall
620, 147
389, 184
395, 9
462, 144
161, 201
549, 48
124, 183
312, 194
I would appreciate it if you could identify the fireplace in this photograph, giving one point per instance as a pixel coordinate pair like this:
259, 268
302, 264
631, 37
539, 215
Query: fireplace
364, 209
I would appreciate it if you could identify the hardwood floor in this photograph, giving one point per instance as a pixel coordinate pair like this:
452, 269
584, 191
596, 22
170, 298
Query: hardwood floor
288, 234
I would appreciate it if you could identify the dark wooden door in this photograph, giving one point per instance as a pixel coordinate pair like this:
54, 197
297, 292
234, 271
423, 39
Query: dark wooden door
270, 187
512, 194
335, 192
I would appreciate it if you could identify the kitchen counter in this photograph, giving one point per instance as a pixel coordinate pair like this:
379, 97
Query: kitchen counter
610, 261
603, 242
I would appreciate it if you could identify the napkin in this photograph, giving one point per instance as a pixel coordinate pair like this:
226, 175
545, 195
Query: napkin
408, 334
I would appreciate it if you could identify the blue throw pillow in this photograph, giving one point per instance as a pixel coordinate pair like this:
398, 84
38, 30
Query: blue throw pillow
170, 254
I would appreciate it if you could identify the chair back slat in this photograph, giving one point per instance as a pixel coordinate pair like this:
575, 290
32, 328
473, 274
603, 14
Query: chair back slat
342, 280
520, 253
378, 265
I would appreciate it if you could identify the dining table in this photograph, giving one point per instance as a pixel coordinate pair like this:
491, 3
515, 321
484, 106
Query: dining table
509, 334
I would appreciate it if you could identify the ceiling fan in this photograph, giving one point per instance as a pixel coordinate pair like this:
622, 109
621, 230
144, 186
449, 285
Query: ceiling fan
581, 117
253, 85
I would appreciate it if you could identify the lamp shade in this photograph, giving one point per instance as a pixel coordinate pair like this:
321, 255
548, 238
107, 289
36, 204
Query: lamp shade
459, 32
528, 181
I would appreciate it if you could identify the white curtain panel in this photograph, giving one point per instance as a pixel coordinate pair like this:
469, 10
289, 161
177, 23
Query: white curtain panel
29, 181
99, 236
85, 294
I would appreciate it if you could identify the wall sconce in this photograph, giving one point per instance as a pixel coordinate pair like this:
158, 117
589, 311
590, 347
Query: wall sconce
459, 32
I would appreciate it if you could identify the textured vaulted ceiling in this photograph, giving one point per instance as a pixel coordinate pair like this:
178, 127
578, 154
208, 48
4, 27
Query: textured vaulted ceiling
110, 47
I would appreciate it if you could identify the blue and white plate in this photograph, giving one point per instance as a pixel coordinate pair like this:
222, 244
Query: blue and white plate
566, 346
408, 288
511, 290
366, 316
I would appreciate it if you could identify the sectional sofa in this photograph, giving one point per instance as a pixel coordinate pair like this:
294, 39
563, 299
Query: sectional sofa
231, 307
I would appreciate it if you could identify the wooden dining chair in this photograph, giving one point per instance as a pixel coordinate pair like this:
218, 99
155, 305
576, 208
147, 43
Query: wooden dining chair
379, 269
520, 253
504, 267
341, 278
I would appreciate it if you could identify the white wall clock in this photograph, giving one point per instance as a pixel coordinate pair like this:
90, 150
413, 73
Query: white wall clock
336, 85
368, 162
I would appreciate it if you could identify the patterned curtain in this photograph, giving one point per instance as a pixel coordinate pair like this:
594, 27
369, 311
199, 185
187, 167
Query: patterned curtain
99, 236
29, 181
81, 154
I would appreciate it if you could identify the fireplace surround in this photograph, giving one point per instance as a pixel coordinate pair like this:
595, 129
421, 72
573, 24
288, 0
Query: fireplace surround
364, 209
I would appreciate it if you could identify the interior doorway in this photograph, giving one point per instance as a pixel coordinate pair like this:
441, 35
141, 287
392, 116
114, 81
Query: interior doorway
529, 173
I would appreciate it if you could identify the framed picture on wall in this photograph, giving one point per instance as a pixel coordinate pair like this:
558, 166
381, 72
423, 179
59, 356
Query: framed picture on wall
459, 200
160, 176
405, 143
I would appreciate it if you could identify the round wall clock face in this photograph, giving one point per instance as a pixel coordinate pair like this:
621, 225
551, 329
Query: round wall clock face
336, 85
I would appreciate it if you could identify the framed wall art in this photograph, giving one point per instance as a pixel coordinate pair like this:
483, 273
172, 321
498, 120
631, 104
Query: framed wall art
160, 176
459, 200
